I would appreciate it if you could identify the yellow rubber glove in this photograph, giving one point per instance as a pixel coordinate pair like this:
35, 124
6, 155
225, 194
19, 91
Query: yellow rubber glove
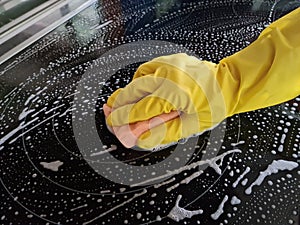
265, 73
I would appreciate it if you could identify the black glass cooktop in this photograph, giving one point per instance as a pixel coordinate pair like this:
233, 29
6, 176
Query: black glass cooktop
60, 165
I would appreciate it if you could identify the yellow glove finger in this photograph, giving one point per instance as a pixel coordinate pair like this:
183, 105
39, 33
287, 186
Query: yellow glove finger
145, 109
169, 96
170, 132
133, 92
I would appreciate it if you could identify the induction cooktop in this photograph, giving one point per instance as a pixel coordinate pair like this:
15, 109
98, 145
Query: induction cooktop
59, 163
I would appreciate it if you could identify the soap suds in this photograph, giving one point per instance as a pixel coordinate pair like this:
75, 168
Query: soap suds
273, 168
247, 170
220, 210
177, 213
212, 162
54, 166
112, 148
235, 200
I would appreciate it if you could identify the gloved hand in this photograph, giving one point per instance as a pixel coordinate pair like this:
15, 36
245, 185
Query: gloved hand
265, 73
169, 83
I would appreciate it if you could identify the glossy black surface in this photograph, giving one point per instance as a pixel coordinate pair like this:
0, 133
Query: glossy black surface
40, 102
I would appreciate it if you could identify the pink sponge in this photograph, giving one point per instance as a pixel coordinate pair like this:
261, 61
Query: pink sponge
128, 134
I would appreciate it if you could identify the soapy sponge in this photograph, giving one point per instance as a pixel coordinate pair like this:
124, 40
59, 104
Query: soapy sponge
128, 134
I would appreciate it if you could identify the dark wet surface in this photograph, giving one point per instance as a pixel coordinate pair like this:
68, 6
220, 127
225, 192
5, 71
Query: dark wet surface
9, 13
52, 90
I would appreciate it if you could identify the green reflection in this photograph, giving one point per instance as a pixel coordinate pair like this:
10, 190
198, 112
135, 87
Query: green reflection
11, 10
